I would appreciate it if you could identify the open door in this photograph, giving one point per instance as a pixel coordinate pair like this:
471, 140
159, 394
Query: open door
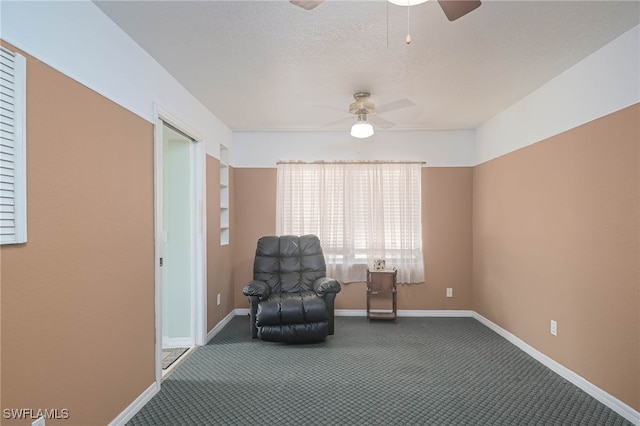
180, 287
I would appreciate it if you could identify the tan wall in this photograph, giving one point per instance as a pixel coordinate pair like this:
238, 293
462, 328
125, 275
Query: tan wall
255, 215
556, 236
446, 228
1, 404
219, 266
78, 297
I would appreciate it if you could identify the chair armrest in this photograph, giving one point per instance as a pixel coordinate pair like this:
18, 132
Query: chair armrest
257, 288
326, 285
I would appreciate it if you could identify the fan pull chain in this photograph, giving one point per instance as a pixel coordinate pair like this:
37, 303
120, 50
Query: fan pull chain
408, 39
387, 25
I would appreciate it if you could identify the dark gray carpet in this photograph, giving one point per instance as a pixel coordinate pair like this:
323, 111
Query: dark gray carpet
426, 371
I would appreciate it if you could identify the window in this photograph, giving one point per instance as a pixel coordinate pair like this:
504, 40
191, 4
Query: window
360, 212
13, 191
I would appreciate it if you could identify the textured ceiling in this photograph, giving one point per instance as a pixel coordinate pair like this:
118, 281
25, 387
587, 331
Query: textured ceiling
272, 66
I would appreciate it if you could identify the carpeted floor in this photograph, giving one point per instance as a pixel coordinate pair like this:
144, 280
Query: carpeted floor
417, 371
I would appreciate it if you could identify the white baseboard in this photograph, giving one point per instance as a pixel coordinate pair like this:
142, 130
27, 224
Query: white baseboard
216, 329
607, 399
407, 313
401, 313
349, 313
453, 313
136, 405
177, 342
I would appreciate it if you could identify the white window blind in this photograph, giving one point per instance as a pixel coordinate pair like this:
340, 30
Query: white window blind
360, 212
13, 205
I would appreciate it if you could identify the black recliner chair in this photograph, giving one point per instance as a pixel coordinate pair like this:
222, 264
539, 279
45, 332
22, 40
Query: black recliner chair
290, 296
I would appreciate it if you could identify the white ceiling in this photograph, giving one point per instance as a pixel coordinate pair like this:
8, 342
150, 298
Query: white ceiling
272, 66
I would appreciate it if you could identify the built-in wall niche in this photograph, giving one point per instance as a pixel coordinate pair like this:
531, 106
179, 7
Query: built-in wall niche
224, 195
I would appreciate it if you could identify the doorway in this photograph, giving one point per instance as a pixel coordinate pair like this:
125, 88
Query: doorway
179, 189
177, 245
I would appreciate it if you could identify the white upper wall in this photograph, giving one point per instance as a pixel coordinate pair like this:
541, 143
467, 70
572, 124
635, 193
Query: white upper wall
436, 148
606, 81
79, 40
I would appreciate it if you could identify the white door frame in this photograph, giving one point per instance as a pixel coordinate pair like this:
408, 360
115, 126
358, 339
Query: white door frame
198, 250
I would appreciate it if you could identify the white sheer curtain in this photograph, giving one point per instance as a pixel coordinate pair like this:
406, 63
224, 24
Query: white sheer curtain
360, 212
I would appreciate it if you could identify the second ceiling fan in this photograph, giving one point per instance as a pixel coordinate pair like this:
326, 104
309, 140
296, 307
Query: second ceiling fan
453, 9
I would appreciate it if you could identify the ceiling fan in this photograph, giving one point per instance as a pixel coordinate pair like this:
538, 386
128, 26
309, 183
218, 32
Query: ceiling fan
453, 9
367, 113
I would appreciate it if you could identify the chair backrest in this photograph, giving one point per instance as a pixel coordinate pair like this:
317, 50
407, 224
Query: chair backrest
289, 263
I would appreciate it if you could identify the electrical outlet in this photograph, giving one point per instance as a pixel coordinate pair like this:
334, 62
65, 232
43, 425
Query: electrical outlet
39, 422
554, 328
449, 292
218, 299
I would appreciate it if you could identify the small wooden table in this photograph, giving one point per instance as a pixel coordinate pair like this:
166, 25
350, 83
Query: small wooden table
382, 283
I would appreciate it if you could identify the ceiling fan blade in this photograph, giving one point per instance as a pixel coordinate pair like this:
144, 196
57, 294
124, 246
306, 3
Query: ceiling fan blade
380, 122
400, 103
306, 4
455, 9
335, 123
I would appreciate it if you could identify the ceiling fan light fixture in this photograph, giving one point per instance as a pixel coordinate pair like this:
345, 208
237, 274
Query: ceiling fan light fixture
407, 2
362, 129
